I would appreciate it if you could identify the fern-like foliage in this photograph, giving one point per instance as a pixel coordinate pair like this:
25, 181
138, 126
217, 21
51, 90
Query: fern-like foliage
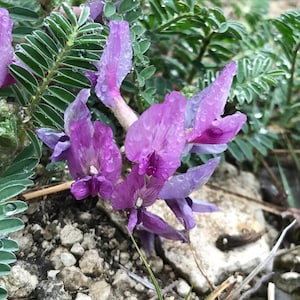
54, 60
15, 179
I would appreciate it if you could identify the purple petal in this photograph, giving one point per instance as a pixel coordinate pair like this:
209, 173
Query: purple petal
60, 150
183, 212
156, 139
222, 130
92, 77
124, 195
155, 224
77, 110
115, 63
133, 219
6, 48
148, 241
210, 103
49, 136
201, 206
96, 8
180, 186
107, 154
81, 154
81, 188
206, 148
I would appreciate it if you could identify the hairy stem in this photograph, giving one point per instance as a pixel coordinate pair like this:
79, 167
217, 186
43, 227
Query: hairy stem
292, 73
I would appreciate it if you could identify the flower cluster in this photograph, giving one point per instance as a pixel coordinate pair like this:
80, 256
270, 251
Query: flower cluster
155, 143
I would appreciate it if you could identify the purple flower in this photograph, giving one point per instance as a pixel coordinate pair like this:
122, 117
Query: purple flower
207, 131
115, 63
60, 141
93, 158
176, 193
156, 140
6, 48
96, 9
135, 194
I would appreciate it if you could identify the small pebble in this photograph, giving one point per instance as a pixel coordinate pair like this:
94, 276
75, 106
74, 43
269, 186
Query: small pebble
183, 288
68, 259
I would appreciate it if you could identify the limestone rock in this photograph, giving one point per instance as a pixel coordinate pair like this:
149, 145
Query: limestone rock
52, 289
19, 282
100, 290
67, 259
73, 278
236, 216
91, 263
70, 235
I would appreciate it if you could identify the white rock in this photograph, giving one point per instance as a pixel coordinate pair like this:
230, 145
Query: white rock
81, 296
91, 263
122, 281
73, 278
89, 241
19, 282
236, 214
55, 257
68, 259
100, 290
183, 288
77, 249
70, 235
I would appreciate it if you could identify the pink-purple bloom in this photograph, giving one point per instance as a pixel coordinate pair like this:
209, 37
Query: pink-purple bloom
93, 158
156, 140
60, 141
115, 63
177, 189
135, 194
206, 130
6, 48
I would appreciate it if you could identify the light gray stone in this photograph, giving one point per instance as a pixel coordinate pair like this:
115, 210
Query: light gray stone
70, 235
100, 290
73, 278
288, 282
68, 259
55, 257
19, 282
89, 241
236, 215
52, 289
122, 281
91, 263
183, 288
77, 250
81, 296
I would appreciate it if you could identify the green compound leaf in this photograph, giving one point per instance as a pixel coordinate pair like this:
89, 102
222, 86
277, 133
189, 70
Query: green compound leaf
9, 209
8, 245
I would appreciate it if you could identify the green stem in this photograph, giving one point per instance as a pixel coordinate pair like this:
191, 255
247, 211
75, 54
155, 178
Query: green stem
172, 21
147, 265
292, 72
35, 99
198, 59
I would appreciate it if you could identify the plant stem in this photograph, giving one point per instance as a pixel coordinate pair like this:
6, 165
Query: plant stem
292, 73
172, 21
205, 43
146, 264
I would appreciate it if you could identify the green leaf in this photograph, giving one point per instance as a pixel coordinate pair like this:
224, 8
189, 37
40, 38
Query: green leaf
84, 15
9, 209
70, 14
7, 257
127, 5
148, 72
8, 245
3, 293
10, 225
35, 142
24, 77
22, 166
23, 14
4, 269
52, 115
109, 9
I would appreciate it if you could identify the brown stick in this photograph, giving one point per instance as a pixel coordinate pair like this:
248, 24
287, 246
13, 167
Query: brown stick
47, 191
